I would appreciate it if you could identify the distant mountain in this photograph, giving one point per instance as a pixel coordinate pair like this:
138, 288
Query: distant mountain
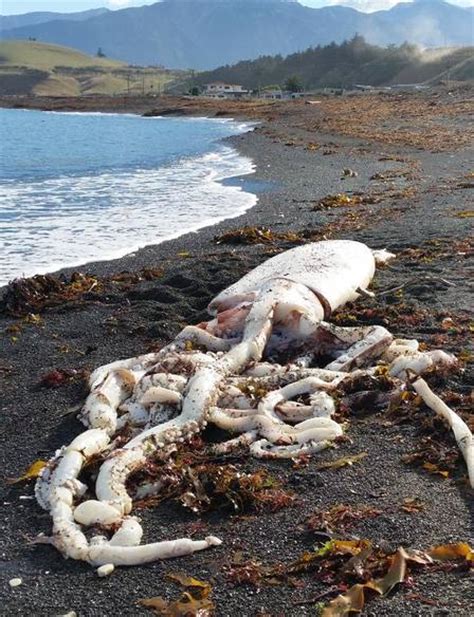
204, 34
8, 22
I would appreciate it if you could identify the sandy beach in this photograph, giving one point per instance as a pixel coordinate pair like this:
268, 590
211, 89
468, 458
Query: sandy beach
406, 163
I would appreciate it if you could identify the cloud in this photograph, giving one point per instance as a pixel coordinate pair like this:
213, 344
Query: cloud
368, 6
123, 4
119, 4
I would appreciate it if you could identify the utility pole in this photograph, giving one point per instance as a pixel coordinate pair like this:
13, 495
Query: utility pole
448, 64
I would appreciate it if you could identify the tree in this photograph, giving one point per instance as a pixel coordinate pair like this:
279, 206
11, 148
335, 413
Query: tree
100, 53
293, 84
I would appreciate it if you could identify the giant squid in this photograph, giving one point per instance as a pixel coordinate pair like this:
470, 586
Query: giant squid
280, 309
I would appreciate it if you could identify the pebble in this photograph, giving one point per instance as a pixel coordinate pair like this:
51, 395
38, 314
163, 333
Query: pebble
15, 582
105, 570
350, 173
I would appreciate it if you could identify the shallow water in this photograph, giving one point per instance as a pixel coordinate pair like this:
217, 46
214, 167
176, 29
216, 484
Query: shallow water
80, 187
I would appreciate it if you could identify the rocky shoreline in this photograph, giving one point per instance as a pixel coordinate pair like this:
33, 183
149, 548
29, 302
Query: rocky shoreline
410, 192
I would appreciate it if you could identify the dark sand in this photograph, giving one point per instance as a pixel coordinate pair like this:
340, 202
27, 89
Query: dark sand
417, 219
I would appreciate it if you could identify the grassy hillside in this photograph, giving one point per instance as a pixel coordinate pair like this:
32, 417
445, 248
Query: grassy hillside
352, 62
31, 67
44, 56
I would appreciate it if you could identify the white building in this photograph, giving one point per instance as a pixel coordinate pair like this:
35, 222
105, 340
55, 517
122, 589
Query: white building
221, 90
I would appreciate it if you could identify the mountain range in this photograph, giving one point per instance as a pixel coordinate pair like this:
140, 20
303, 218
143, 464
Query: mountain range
204, 34
9, 22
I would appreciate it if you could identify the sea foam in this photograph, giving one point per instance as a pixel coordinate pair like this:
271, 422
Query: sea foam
65, 221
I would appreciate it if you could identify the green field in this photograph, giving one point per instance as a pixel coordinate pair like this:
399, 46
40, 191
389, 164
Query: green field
34, 68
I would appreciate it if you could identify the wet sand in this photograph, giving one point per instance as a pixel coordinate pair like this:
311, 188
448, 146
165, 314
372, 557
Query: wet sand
422, 189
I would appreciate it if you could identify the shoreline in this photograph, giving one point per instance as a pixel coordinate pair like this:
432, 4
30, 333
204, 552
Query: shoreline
227, 179
414, 207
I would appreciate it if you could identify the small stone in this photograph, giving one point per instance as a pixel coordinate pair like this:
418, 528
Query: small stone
15, 582
349, 173
105, 570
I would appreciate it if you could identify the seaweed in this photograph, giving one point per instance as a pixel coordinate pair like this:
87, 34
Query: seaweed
358, 568
32, 295
345, 461
434, 457
255, 235
33, 471
59, 377
339, 518
341, 200
194, 601
201, 485
36, 294
391, 174
412, 505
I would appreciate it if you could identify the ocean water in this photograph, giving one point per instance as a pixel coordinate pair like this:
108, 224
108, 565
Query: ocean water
79, 187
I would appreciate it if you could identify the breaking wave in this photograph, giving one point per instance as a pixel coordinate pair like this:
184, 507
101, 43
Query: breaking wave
54, 222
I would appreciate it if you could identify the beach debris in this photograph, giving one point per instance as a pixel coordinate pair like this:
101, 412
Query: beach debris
255, 235
398, 564
339, 518
15, 582
412, 505
393, 174
58, 377
354, 599
342, 462
393, 157
31, 296
462, 432
341, 199
202, 487
402, 120
34, 294
31, 473
355, 570
433, 457
334, 201
451, 552
360, 568
195, 599
349, 173
105, 570
142, 411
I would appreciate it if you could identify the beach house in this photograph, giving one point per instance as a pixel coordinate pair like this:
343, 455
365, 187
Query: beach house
221, 90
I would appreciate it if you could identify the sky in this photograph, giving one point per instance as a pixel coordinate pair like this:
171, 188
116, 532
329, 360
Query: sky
13, 7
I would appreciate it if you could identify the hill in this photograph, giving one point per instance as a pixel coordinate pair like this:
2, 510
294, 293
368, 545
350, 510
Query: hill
30, 67
352, 62
206, 34
33, 54
8, 22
